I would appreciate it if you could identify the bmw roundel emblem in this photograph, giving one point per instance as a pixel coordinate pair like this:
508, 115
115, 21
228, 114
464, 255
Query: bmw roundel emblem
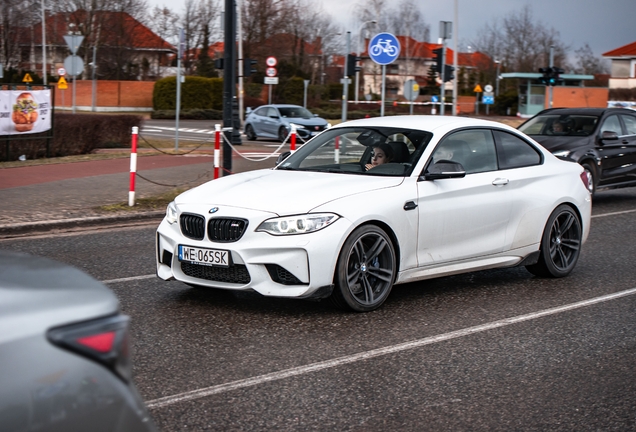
214, 209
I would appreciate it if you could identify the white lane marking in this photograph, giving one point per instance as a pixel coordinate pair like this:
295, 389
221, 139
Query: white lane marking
151, 130
314, 367
128, 279
613, 214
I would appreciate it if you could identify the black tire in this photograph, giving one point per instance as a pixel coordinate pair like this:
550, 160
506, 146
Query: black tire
560, 244
365, 270
591, 173
249, 133
282, 134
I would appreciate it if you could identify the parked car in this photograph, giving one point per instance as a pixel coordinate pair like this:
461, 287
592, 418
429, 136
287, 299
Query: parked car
321, 224
275, 121
602, 140
64, 351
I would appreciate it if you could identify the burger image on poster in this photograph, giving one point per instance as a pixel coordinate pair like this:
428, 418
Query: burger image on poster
25, 112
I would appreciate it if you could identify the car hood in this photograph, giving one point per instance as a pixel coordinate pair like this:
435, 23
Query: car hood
556, 143
283, 192
313, 121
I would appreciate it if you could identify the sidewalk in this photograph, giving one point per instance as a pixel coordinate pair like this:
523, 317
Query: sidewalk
63, 196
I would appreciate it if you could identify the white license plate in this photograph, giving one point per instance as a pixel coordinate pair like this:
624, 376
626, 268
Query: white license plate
202, 256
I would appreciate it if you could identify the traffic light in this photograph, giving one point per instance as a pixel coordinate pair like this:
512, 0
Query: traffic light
351, 64
551, 76
448, 73
218, 63
248, 67
437, 56
556, 76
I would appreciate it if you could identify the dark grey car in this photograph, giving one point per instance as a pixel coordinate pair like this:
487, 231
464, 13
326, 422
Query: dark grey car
64, 352
602, 140
275, 121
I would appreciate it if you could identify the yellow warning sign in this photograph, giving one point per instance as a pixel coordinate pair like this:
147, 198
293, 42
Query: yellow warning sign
27, 78
62, 84
477, 89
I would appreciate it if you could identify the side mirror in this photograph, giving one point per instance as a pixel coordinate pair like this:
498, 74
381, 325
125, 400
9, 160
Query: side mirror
445, 170
608, 136
282, 157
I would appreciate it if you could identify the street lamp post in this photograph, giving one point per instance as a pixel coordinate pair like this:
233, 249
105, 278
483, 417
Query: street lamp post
498, 63
322, 59
357, 89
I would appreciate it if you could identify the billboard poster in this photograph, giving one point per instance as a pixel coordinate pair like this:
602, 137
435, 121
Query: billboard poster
25, 111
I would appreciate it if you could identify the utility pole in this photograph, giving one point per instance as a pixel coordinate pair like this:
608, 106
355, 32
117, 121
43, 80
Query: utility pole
229, 75
345, 80
551, 65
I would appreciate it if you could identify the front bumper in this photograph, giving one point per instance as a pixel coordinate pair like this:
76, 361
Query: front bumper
281, 266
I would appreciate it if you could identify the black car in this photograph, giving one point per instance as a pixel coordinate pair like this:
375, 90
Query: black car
603, 140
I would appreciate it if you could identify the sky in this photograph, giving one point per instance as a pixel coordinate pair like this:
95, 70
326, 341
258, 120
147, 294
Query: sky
603, 24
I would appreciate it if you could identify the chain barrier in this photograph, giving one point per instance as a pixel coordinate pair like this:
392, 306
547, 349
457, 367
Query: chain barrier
292, 134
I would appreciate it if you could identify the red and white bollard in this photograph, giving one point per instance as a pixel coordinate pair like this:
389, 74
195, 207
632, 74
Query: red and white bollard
217, 150
336, 150
293, 138
133, 166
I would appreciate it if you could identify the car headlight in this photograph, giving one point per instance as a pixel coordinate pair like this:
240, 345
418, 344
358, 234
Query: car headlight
171, 213
562, 153
328, 125
299, 224
297, 126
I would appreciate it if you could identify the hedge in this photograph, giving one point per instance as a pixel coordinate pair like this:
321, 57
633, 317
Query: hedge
196, 93
74, 134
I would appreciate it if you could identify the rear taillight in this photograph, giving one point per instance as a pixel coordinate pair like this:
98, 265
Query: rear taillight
104, 340
585, 178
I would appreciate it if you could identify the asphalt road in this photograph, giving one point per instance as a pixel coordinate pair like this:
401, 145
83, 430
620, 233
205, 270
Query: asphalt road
440, 355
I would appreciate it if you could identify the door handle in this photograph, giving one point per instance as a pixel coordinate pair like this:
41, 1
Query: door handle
410, 205
500, 182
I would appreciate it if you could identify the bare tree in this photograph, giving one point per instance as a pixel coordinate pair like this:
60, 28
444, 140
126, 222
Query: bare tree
587, 63
521, 42
165, 23
15, 16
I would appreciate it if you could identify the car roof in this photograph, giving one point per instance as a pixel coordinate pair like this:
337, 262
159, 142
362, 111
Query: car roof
589, 111
431, 123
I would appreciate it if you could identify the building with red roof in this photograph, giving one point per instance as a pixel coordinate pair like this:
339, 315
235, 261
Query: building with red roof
623, 69
124, 47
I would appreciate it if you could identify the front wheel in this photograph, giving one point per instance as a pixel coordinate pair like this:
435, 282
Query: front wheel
365, 270
560, 244
249, 133
282, 134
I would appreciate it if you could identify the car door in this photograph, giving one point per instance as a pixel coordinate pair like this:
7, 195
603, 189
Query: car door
271, 122
614, 153
629, 140
258, 120
463, 218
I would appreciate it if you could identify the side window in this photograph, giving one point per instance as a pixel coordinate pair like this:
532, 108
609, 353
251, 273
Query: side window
473, 148
261, 112
272, 112
612, 124
630, 124
513, 152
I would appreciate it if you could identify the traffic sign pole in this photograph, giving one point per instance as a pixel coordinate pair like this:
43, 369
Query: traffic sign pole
384, 49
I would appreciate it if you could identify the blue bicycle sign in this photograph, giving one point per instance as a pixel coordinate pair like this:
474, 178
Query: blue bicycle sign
384, 48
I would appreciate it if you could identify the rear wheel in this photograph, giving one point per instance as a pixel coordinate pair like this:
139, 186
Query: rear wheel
249, 133
560, 244
365, 270
591, 176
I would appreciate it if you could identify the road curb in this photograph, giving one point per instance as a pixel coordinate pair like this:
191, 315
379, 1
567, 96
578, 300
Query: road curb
39, 227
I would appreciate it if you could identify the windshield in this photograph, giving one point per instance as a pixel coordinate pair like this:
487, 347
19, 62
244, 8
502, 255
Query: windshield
360, 150
295, 112
560, 125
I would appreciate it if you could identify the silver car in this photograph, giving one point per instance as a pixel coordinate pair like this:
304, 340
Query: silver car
64, 351
275, 122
